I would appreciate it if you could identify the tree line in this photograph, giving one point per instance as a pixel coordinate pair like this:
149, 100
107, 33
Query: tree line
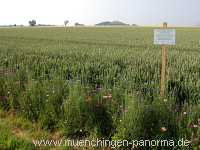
66, 22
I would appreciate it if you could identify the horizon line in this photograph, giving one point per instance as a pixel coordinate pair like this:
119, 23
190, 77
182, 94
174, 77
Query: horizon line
95, 25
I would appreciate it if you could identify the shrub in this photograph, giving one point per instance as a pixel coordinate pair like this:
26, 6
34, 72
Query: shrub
32, 101
75, 119
147, 122
56, 93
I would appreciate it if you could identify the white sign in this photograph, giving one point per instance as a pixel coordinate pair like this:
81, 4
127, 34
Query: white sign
164, 36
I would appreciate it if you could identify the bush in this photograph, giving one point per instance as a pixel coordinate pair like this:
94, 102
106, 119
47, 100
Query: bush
75, 118
87, 115
189, 124
55, 95
32, 101
147, 122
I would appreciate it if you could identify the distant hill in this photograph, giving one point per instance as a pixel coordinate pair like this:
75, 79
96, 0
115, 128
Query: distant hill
134, 25
113, 23
78, 24
45, 25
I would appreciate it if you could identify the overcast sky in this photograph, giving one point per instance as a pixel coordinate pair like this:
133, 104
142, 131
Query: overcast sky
142, 12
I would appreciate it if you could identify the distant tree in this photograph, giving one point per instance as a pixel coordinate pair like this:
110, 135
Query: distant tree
165, 23
32, 22
66, 22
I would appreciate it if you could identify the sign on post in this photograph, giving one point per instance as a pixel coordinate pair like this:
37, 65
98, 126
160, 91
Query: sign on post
164, 37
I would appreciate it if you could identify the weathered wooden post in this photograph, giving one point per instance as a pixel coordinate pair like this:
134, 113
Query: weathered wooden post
164, 66
164, 37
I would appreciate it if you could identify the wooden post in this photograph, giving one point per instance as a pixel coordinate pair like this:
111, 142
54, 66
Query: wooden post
164, 67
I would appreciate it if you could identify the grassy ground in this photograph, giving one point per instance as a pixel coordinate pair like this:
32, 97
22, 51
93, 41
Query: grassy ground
18, 133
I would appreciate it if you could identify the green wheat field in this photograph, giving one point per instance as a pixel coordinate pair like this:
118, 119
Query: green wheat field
97, 82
